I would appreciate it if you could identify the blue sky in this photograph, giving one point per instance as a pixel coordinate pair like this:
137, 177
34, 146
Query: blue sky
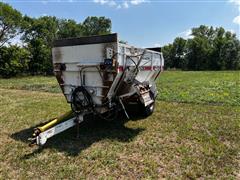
144, 23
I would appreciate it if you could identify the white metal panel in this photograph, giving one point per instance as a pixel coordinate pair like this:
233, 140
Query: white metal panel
80, 53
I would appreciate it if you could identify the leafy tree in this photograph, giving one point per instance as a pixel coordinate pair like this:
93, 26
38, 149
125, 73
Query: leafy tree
209, 49
10, 23
13, 61
226, 51
231, 52
45, 28
39, 35
199, 51
96, 26
204, 32
168, 56
40, 59
69, 28
174, 54
179, 50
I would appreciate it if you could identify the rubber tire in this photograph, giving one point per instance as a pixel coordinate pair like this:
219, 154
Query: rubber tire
148, 110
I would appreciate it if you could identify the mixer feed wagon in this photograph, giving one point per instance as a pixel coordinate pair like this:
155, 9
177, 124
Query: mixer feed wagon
101, 76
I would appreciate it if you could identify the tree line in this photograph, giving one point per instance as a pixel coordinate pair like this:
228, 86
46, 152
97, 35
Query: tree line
208, 49
33, 55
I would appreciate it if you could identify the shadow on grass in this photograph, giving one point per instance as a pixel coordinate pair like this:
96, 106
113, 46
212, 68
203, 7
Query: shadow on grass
91, 131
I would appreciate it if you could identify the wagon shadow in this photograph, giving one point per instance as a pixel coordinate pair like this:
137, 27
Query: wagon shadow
91, 131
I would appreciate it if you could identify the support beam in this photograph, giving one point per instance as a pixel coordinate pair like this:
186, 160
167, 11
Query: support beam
42, 138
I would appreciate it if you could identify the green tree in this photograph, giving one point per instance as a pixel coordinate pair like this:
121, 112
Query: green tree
231, 51
168, 54
209, 49
96, 26
204, 32
10, 23
179, 50
226, 50
39, 35
174, 54
45, 28
69, 28
13, 61
199, 52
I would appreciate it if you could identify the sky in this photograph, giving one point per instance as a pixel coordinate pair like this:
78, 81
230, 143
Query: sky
143, 23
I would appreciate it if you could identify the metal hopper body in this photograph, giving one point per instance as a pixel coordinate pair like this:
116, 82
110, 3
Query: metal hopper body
100, 75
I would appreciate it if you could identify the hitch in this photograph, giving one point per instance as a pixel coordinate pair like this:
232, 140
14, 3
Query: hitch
55, 126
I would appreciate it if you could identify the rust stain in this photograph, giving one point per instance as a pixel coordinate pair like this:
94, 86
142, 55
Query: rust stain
57, 54
58, 71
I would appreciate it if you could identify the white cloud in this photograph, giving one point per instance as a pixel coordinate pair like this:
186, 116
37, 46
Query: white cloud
236, 20
157, 45
125, 5
231, 31
136, 2
101, 1
120, 4
236, 2
110, 3
186, 34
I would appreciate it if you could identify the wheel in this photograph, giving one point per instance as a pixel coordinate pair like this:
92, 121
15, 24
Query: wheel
148, 110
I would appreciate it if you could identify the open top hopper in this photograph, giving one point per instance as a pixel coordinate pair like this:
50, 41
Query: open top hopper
103, 66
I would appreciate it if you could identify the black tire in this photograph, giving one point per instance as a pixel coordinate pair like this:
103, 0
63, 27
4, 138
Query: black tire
148, 110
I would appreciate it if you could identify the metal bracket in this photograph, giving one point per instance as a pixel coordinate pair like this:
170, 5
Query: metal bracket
42, 138
123, 108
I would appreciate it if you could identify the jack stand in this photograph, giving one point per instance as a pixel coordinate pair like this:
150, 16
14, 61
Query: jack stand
78, 120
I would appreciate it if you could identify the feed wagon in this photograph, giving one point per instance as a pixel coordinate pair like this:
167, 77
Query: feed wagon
99, 75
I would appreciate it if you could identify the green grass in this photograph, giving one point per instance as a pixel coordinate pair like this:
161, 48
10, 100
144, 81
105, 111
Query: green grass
208, 87
32, 83
188, 136
220, 88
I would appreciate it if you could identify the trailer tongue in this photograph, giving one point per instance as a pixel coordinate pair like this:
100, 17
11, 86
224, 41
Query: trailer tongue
101, 76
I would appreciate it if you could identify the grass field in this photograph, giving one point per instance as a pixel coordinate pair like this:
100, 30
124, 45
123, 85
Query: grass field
193, 133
